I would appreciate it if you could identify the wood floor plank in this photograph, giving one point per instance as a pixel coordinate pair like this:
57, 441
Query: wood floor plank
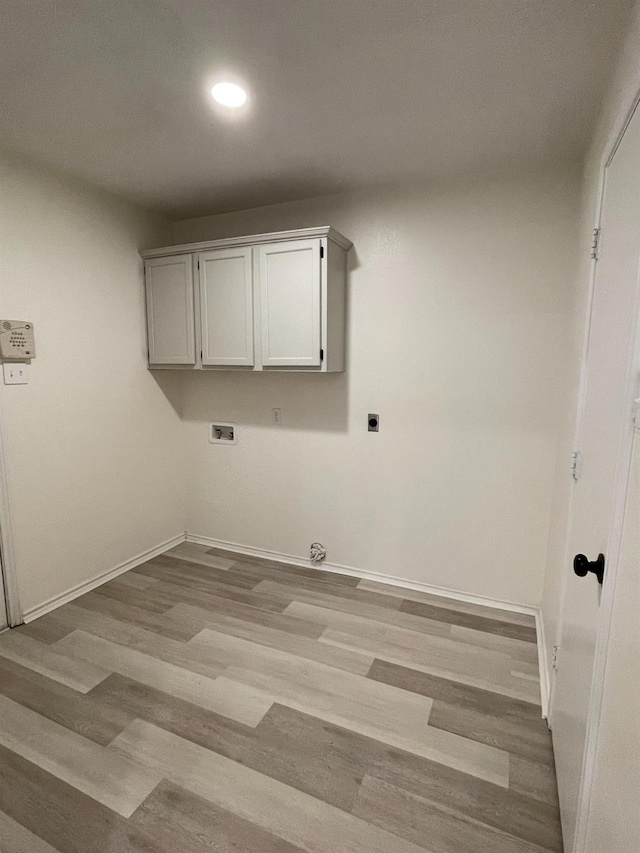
496, 806
518, 650
297, 749
414, 818
117, 781
345, 699
239, 702
487, 673
437, 745
485, 668
329, 762
15, 838
285, 812
159, 629
209, 598
194, 553
191, 722
67, 819
133, 637
436, 655
456, 693
236, 557
531, 741
302, 647
160, 833
194, 575
150, 598
534, 779
420, 647
132, 578
203, 822
297, 592
526, 633
342, 692
43, 629
326, 761
196, 618
51, 662
79, 712
128, 613
281, 573
450, 603
386, 615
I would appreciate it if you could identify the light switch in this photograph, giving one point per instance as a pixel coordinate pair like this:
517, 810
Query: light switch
15, 373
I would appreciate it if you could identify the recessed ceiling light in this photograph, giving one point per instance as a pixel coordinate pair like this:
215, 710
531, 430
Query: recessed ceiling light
229, 94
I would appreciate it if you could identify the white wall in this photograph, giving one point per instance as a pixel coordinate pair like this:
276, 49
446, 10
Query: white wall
459, 306
92, 443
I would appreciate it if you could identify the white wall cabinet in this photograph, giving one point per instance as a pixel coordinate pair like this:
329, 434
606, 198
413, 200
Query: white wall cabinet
290, 298
226, 307
266, 302
170, 328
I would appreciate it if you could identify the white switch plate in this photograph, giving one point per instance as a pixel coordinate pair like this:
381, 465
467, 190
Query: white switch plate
15, 374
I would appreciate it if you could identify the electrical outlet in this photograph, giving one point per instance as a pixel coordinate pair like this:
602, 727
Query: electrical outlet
222, 433
15, 374
276, 417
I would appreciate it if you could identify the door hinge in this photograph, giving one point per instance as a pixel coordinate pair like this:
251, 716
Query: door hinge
322, 251
321, 355
595, 244
554, 657
576, 464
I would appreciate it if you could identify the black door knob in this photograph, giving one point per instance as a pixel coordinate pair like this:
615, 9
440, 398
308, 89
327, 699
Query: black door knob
582, 566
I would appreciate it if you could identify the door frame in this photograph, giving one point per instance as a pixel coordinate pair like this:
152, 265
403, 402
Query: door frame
7, 558
614, 540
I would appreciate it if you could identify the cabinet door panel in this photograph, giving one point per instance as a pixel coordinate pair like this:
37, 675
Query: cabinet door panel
290, 303
170, 319
226, 300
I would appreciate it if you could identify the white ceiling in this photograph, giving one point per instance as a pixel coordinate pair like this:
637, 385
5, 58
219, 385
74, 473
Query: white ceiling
344, 93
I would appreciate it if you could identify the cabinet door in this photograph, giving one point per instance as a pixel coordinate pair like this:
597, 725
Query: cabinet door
290, 303
226, 304
170, 319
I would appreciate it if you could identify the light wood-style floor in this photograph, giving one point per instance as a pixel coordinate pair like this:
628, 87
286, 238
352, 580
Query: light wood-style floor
204, 703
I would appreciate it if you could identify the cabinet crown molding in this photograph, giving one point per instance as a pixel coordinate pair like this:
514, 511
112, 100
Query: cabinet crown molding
251, 240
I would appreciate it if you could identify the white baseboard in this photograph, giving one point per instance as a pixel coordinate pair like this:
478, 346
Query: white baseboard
87, 586
543, 664
443, 592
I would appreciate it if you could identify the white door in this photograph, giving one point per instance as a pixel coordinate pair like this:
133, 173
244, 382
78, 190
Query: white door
605, 417
614, 817
290, 294
226, 307
170, 318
